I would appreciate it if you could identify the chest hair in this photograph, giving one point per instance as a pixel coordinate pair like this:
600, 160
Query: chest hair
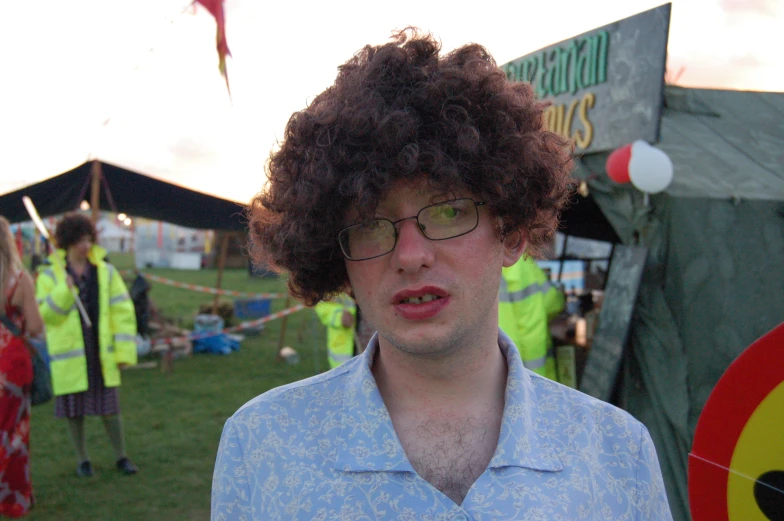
450, 454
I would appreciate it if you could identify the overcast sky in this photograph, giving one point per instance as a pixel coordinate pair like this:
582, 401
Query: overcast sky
136, 83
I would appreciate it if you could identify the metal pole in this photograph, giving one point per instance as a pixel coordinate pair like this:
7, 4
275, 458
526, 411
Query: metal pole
609, 265
563, 257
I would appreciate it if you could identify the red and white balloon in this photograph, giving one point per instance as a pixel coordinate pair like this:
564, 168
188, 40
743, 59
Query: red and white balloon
648, 168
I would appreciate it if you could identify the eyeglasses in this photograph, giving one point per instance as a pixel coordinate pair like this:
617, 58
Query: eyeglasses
437, 222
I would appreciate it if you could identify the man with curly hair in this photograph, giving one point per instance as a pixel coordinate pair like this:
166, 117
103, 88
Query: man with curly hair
410, 183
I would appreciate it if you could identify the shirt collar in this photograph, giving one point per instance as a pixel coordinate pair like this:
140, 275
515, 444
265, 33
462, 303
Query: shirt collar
523, 442
96, 255
368, 441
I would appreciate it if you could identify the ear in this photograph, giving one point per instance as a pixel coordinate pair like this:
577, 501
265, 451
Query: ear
514, 247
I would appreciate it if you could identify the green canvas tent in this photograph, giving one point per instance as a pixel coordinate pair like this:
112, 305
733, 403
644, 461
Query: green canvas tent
714, 277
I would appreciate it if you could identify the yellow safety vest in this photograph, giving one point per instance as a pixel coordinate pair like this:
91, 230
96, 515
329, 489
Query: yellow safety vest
116, 324
340, 340
527, 301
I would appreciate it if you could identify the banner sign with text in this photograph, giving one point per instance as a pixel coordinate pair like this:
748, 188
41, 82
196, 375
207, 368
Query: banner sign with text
606, 85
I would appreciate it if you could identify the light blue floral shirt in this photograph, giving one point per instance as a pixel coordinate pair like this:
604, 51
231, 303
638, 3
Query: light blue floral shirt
325, 449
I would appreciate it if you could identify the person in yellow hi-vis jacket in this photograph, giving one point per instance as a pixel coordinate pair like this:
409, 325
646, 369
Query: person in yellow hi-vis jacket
338, 316
86, 358
527, 301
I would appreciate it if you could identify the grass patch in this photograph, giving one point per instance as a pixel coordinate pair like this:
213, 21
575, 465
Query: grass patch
172, 422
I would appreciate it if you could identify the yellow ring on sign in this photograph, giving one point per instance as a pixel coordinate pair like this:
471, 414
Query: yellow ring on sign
760, 449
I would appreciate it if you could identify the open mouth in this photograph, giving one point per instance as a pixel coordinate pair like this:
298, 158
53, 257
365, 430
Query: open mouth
421, 303
419, 300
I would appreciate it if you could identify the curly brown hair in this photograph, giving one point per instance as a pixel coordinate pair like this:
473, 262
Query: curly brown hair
72, 228
402, 111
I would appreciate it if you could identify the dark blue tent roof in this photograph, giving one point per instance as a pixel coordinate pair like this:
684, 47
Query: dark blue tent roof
135, 194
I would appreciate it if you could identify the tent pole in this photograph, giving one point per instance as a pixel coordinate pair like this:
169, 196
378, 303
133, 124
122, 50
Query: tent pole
284, 320
563, 257
95, 190
224, 247
609, 265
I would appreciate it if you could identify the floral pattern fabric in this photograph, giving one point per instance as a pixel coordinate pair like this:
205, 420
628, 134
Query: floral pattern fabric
325, 448
16, 376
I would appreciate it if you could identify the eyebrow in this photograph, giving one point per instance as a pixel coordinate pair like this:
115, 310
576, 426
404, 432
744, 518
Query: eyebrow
435, 198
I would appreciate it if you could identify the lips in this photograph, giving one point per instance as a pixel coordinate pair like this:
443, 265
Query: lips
418, 293
420, 303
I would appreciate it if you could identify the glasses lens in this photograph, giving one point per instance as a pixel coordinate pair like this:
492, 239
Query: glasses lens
363, 241
448, 219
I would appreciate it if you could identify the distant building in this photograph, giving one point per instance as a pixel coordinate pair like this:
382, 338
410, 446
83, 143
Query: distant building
165, 245
113, 236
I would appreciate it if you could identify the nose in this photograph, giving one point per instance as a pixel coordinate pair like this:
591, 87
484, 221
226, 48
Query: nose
413, 250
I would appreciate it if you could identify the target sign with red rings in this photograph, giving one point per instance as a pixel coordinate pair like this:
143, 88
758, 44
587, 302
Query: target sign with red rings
736, 464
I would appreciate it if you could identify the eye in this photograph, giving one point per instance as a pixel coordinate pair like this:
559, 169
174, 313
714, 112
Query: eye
446, 212
368, 228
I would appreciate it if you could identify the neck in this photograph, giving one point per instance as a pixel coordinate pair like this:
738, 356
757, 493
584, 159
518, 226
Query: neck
476, 380
76, 259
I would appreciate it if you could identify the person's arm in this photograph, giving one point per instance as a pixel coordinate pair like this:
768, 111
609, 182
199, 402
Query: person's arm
230, 482
554, 301
34, 324
54, 297
122, 318
653, 505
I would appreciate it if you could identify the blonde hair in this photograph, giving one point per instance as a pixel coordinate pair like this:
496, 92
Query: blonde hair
10, 262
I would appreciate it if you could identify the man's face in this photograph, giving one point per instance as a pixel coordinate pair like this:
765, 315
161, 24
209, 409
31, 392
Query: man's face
83, 245
396, 291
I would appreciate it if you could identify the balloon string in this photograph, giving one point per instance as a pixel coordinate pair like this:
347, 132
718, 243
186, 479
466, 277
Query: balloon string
692, 455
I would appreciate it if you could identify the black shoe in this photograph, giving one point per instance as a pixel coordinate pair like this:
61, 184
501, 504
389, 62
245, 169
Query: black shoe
85, 469
126, 466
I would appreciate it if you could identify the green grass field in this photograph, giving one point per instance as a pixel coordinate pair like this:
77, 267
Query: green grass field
172, 421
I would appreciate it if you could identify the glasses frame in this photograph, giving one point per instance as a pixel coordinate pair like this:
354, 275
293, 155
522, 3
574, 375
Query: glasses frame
394, 224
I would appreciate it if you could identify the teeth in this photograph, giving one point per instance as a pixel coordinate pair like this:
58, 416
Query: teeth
419, 300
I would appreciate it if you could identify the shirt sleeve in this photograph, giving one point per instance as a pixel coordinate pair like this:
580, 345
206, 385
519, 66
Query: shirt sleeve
325, 311
122, 318
651, 495
230, 482
54, 297
554, 301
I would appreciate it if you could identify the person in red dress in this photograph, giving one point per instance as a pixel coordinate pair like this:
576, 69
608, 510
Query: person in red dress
17, 302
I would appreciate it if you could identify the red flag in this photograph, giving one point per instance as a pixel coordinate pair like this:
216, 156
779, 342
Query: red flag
215, 7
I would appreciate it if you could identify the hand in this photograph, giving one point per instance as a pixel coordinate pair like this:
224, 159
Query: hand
122, 366
69, 281
347, 320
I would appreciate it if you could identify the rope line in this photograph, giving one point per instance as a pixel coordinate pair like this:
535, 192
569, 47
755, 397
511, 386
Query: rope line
205, 289
159, 342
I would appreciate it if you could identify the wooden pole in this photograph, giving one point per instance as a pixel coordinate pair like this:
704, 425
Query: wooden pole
284, 320
224, 248
95, 190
